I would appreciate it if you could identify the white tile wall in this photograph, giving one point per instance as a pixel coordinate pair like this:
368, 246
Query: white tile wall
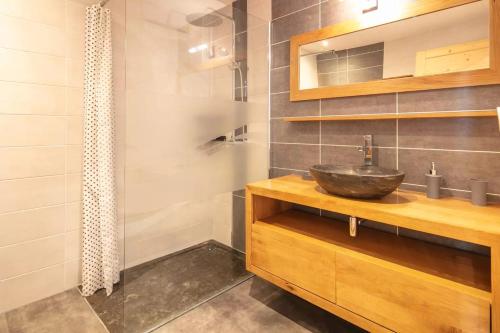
41, 129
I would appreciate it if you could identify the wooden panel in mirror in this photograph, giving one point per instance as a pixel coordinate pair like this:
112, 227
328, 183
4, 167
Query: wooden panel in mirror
408, 46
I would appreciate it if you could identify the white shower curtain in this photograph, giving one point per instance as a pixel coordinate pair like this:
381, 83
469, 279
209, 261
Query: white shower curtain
100, 260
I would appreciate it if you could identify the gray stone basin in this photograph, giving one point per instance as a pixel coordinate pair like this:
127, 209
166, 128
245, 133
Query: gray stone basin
363, 182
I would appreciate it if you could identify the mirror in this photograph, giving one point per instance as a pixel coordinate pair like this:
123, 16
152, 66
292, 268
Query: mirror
451, 40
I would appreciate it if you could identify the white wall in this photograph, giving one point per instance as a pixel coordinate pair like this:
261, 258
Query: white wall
41, 93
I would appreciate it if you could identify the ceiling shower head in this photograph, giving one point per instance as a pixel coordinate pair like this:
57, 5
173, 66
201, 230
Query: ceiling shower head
204, 20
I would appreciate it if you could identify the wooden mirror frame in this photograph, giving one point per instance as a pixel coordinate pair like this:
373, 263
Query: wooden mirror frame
418, 7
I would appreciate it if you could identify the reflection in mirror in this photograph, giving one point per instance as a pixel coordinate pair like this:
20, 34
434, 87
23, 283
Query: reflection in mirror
451, 40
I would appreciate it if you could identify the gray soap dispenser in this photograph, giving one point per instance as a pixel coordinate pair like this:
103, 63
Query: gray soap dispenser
433, 181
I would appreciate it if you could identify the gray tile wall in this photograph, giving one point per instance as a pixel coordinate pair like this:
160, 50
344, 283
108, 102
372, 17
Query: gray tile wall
462, 148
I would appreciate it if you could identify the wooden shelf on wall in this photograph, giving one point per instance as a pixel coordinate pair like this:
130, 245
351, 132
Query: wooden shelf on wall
408, 115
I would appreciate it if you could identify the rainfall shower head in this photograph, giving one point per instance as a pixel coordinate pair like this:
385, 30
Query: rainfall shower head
204, 20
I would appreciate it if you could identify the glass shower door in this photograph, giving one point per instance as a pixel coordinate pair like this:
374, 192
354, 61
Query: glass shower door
196, 133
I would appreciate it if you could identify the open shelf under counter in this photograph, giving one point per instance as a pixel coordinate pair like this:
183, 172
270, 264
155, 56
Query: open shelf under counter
467, 268
406, 115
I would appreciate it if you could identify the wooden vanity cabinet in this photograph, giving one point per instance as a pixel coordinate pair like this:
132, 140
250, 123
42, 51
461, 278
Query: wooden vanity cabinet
302, 261
377, 280
406, 302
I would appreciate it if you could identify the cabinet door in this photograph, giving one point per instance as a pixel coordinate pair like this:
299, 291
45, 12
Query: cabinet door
298, 259
406, 302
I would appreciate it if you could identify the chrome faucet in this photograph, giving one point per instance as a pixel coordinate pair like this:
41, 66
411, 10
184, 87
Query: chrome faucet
367, 149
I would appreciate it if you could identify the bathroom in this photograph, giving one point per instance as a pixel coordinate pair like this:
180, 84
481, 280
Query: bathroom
213, 124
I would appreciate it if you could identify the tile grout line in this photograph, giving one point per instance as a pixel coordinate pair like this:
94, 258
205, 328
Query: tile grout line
295, 12
390, 147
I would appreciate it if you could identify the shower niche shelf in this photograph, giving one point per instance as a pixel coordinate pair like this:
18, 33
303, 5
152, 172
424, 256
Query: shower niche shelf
407, 115
375, 279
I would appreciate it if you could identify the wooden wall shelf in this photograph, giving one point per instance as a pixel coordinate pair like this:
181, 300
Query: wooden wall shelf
408, 115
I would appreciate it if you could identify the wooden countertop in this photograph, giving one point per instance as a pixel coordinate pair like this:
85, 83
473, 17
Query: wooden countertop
448, 217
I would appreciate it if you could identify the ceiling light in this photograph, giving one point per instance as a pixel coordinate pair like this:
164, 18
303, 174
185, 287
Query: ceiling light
324, 43
198, 48
369, 5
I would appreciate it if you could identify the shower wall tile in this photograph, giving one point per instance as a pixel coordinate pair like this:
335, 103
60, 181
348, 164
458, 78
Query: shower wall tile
24, 289
75, 130
21, 66
74, 101
27, 130
51, 12
34, 99
74, 157
29, 193
18, 162
29, 225
74, 187
26, 257
72, 273
72, 246
73, 216
31, 36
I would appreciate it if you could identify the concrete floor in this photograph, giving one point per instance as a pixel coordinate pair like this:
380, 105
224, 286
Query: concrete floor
205, 289
61, 313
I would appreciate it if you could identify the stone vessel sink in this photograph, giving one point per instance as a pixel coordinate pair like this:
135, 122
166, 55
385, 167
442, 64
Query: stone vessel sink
363, 182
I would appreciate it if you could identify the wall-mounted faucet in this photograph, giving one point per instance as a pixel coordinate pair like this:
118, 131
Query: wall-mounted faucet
367, 149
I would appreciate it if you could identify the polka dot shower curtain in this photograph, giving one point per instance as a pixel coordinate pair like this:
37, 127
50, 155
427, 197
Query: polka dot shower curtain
100, 260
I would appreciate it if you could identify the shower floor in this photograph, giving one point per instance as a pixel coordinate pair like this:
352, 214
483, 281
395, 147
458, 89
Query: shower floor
158, 291
204, 289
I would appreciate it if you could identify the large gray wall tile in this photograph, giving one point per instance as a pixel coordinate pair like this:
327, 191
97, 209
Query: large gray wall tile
280, 55
336, 11
238, 232
275, 173
457, 134
283, 131
359, 105
384, 157
457, 167
280, 80
294, 24
291, 156
282, 107
351, 132
469, 98
284, 7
